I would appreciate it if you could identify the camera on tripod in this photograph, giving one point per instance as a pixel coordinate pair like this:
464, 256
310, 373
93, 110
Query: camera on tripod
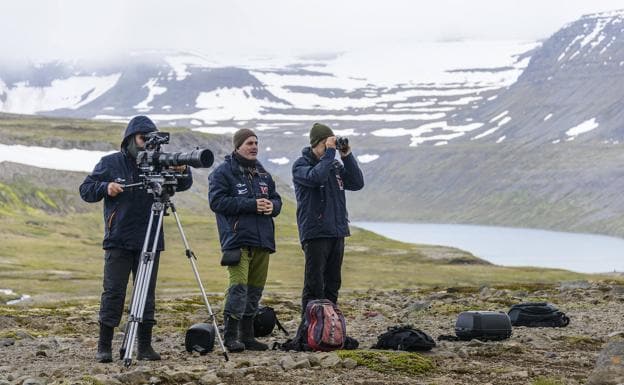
153, 160
155, 173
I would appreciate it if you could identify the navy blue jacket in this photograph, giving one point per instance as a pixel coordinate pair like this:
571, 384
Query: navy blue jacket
126, 215
320, 186
232, 196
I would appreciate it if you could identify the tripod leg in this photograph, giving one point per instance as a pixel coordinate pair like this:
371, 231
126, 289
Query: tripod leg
141, 284
191, 256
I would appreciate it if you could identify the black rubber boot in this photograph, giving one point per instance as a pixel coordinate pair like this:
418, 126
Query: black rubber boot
104, 353
247, 336
144, 336
230, 335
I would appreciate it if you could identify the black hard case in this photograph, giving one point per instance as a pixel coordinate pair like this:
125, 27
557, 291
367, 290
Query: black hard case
200, 338
483, 325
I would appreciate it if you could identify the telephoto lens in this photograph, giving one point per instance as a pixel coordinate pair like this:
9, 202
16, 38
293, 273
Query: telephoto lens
200, 158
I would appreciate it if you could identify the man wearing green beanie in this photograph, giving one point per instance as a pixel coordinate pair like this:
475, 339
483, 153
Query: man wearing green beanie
242, 194
320, 182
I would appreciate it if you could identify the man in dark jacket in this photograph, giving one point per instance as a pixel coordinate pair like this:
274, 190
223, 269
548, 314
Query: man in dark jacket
242, 194
320, 182
126, 216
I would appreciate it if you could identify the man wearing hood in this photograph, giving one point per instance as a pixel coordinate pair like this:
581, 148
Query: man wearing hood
242, 194
126, 217
320, 182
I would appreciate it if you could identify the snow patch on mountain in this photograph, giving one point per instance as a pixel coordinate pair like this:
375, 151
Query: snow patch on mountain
281, 161
72, 93
153, 90
582, 128
367, 158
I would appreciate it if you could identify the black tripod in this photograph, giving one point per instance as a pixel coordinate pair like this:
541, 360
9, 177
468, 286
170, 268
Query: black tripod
161, 191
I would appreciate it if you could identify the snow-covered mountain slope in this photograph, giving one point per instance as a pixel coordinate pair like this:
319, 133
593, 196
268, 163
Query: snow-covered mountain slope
396, 87
572, 89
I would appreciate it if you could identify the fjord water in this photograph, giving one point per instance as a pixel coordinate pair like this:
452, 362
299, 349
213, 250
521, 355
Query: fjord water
587, 253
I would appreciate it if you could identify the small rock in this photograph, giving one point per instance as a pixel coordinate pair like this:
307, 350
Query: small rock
617, 290
134, 377
4, 342
609, 365
517, 374
551, 355
41, 353
349, 363
209, 379
330, 361
572, 285
287, 363
314, 359
485, 292
23, 335
33, 381
303, 364
242, 364
618, 333
106, 380
3, 382
418, 306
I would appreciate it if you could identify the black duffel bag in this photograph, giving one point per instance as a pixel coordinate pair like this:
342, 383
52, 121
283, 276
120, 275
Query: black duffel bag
404, 338
537, 314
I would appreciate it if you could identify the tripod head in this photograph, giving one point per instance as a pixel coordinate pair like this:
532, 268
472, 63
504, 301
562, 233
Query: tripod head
161, 185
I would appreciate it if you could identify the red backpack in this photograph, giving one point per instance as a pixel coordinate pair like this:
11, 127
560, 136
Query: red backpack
326, 325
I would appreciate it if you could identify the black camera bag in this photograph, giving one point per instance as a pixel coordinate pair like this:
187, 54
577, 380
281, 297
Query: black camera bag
537, 314
404, 338
200, 338
483, 325
265, 321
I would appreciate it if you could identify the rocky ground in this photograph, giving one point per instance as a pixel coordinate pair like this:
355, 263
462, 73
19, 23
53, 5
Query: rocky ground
55, 343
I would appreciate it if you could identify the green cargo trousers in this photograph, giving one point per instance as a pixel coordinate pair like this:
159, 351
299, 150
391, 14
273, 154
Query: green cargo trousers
247, 281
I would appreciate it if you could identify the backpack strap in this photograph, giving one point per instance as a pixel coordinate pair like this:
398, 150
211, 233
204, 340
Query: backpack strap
280, 327
448, 337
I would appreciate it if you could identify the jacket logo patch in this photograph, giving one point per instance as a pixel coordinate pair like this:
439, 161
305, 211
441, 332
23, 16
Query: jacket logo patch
240, 185
340, 182
242, 191
264, 190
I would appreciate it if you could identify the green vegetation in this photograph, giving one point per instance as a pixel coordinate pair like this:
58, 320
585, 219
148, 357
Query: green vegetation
51, 248
547, 381
70, 133
51, 240
388, 362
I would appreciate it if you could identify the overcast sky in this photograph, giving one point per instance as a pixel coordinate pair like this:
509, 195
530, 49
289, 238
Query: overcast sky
46, 29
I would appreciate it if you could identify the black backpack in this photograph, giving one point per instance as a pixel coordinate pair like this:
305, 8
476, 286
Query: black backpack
404, 338
265, 321
537, 314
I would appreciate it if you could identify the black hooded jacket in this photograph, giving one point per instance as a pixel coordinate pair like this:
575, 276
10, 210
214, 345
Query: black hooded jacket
126, 215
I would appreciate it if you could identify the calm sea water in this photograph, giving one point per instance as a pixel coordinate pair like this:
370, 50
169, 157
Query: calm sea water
507, 246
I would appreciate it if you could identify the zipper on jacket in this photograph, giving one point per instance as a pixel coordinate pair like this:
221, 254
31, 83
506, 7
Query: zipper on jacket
110, 219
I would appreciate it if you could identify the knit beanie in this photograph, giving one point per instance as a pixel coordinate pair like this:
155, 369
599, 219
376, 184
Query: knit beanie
241, 136
319, 132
